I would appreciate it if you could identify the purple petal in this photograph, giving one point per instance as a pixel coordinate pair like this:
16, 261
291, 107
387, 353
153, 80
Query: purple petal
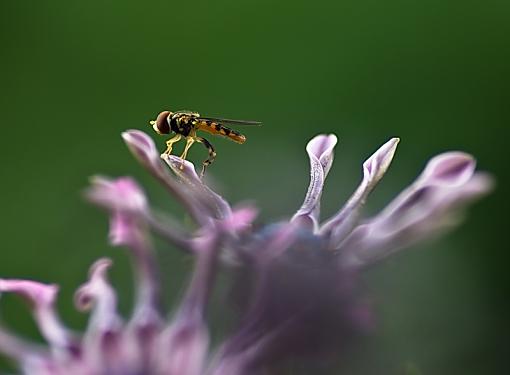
103, 340
143, 148
450, 168
38, 294
121, 194
24, 352
182, 168
185, 170
282, 236
374, 169
170, 230
183, 349
320, 152
99, 296
235, 364
124, 230
128, 207
428, 207
185, 342
42, 299
240, 220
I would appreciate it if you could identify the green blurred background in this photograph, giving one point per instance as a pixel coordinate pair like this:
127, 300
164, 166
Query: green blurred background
74, 74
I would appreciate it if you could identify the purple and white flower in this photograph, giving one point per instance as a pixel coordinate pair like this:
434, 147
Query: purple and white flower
294, 282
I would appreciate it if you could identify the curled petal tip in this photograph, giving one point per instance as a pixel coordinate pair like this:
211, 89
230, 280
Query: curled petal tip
320, 152
86, 295
426, 208
452, 168
321, 147
100, 267
321, 143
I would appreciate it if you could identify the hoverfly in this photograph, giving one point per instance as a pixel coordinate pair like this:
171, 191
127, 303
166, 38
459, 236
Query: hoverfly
186, 124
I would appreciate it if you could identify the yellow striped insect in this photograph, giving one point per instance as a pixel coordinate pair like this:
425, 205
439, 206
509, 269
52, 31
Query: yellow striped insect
186, 124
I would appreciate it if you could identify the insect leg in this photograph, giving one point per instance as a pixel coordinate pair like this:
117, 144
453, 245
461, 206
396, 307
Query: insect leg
212, 154
170, 143
189, 141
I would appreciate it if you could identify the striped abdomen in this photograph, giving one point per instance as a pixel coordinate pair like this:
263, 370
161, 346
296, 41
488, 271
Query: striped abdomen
218, 129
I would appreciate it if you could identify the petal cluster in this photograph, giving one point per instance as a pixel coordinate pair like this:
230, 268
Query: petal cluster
294, 283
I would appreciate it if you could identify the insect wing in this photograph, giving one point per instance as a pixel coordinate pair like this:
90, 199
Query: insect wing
227, 121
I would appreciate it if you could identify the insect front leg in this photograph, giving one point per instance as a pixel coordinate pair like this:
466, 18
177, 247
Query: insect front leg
170, 143
212, 154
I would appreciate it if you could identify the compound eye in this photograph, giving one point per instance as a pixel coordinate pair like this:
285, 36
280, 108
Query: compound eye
161, 125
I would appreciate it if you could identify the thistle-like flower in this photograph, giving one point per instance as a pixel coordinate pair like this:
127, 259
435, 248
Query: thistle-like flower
295, 281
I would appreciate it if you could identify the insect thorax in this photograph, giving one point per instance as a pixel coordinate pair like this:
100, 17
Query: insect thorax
183, 122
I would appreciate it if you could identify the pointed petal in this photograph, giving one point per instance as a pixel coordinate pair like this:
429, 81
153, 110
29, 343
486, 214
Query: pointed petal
320, 152
428, 207
374, 169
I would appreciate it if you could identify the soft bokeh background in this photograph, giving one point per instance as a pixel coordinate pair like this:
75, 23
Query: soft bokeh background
74, 74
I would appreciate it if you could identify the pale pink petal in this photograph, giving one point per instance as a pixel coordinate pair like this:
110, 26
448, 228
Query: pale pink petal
124, 230
128, 221
129, 211
374, 169
121, 194
102, 342
431, 205
320, 152
19, 349
98, 295
42, 299
241, 219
